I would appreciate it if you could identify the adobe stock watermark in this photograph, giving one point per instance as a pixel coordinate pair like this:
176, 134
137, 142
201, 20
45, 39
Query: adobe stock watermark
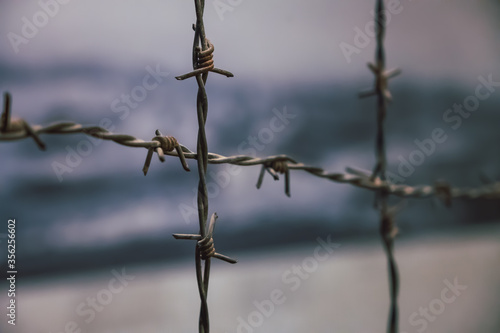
122, 105
31, 26
363, 37
223, 6
427, 314
291, 279
217, 181
94, 304
453, 117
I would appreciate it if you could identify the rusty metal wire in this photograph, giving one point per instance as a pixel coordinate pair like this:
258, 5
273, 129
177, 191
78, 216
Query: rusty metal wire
167, 144
388, 229
206, 244
8, 125
203, 63
274, 167
353, 176
377, 180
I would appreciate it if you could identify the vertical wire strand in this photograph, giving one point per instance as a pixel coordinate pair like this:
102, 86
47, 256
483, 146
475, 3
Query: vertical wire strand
202, 161
380, 169
381, 166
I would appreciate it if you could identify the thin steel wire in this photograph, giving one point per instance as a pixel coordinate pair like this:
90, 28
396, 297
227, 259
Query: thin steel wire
386, 221
202, 151
202, 58
352, 176
8, 125
387, 224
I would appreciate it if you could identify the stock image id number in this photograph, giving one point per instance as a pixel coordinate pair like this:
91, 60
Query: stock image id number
11, 244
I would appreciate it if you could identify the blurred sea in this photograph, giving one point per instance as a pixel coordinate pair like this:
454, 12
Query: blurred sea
105, 205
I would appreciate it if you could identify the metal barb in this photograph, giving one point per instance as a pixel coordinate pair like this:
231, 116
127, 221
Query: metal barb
166, 144
443, 192
17, 125
6, 113
206, 244
365, 179
204, 63
274, 167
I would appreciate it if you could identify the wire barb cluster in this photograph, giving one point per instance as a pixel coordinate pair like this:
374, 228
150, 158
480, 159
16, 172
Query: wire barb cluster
274, 167
204, 63
206, 244
167, 144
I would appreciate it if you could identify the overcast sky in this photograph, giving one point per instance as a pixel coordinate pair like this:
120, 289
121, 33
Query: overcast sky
286, 39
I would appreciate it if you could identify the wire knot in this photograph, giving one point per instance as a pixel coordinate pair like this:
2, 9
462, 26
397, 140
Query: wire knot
275, 167
166, 145
16, 125
280, 166
382, 77
205, 58
205, 245
443, 192
388, 226
204, 63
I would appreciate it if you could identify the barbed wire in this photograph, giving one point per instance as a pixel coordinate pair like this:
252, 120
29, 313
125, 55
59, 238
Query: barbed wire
388, 229
203, 63
352, 176
377, 180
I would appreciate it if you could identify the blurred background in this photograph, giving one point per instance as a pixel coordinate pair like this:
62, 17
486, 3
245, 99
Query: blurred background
85, 211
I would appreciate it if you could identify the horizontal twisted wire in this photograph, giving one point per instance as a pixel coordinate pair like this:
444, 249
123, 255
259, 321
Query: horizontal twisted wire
72, 127
352, 176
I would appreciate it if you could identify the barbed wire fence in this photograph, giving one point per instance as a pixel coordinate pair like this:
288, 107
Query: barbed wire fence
387, 226
377, 180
